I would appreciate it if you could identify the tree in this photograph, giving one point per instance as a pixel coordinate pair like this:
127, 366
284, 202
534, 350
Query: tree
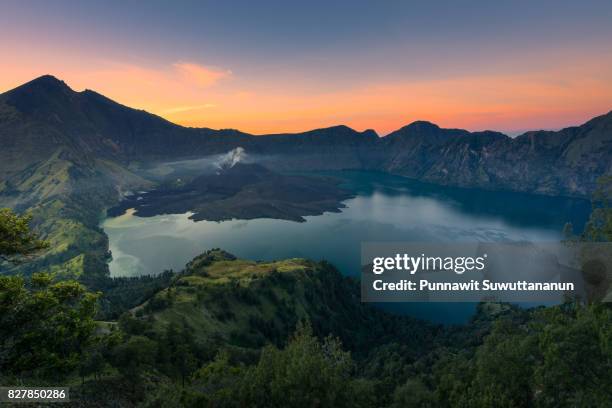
576, 357
558, 357
133, 357
599, 226
16, 239
93, 363
503, 368
220, 382
413, 394
44, 325
177, 349
307, 373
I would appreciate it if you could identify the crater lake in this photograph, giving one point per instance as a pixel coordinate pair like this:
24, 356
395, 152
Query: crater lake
385, 208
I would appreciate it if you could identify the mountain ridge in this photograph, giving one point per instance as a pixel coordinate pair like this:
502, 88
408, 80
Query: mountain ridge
45, 114
50, 81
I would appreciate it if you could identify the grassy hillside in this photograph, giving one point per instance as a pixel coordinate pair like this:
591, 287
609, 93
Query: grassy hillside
66, 196
247, 304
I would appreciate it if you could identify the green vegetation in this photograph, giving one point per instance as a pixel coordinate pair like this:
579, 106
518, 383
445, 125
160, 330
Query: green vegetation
227, 332
245, 305
64, 207
68, 222
307, 372
553, 357
45, 326
16, 239
599, 227
65, 195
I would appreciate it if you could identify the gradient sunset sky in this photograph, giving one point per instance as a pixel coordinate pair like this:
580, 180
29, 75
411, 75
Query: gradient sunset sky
284, 66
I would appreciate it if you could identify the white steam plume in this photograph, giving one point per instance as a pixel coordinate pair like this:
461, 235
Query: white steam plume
231, 158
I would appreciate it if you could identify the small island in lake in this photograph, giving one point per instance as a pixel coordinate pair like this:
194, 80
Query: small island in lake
240, 191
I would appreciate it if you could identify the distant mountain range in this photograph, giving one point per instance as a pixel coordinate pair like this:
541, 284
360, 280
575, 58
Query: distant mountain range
44, 122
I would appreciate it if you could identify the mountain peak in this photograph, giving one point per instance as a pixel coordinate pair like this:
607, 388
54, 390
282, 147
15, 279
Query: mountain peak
370, 133
425, 131
47, 82
43, 93
421, 125
48, 78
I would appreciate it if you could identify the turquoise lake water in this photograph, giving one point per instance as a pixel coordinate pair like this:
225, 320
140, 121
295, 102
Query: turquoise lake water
386, 208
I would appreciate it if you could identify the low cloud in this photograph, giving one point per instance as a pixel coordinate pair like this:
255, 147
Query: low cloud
179, 109
200, 75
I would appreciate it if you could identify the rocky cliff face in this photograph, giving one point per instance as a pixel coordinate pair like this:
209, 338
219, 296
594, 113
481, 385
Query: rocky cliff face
567, 162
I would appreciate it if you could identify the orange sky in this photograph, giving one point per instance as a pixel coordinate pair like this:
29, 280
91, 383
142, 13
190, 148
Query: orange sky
294, 82
195, 95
